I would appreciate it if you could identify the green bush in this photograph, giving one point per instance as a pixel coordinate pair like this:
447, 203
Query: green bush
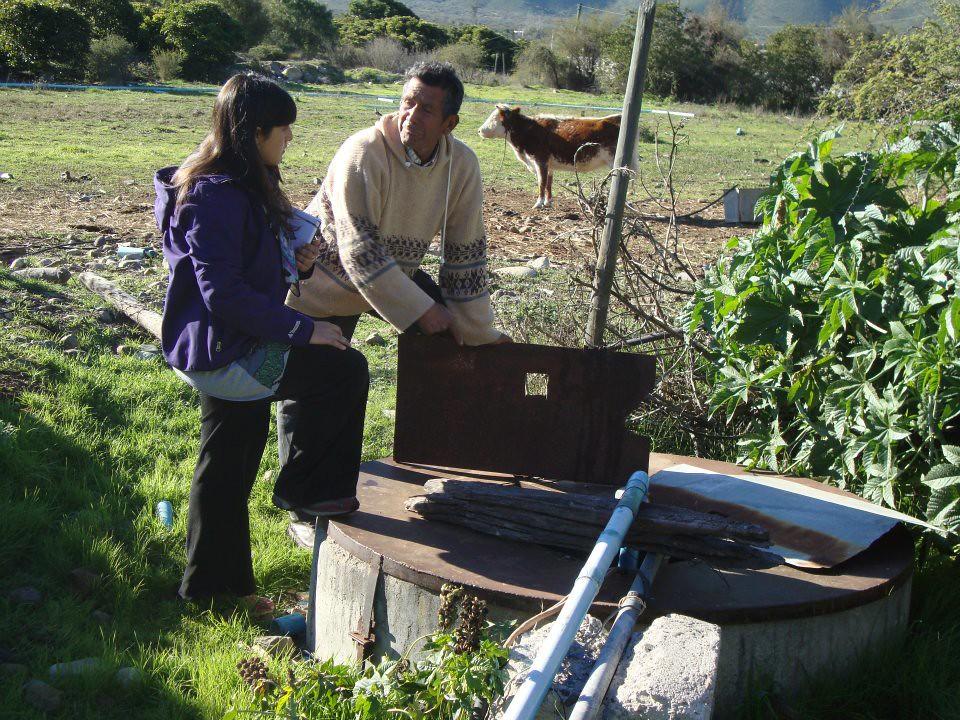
266, 51
413, 33
305, 25
899, 77
251, 16
206, 36
494, 47
835, 329
796, 73
168, 64
377, 9
371, 75
43, 39
108, 17
149, 33
109, 59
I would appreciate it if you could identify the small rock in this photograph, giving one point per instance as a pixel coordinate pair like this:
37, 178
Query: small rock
293, 73
540, 263
26, 596
66, 176
129, 265
5, 176
103, 241
47, 262
521, 271
510, 213
129, 182
268, 476
71, 352
389, 413
524, 229
761, 161
75, 667
375, 339
20, 263
83, 198
570, 216
146, 352
42, 696
83, 581
9, 669
106, 315
274, 645
128, 677
60, 276
101, 618
68, 342
317, 181
741, 132
125, 350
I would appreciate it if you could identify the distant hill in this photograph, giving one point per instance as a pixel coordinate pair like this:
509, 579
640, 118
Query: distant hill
763, 17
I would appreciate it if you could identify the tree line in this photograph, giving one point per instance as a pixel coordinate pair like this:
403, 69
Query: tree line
847, 68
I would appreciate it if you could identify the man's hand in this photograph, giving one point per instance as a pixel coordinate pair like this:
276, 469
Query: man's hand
307, 255
437, 320
325, 333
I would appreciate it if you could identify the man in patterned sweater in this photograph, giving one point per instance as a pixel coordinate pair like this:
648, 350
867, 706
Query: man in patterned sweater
389, 191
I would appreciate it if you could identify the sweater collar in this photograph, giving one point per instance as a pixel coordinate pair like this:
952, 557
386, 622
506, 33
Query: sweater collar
389, 128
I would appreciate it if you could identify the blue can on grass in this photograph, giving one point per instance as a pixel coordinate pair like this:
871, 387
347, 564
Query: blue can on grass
165, 513
293, 624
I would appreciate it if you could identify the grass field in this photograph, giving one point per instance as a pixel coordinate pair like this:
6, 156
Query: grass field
90, 440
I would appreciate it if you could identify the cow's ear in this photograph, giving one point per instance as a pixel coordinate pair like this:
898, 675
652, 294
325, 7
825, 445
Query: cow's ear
516, 110
504, 110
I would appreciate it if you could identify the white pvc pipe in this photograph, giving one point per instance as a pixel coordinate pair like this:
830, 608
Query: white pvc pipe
531, 694
590, 702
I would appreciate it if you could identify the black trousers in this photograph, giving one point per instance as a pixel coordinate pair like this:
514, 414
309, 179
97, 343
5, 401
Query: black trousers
289, 411
330, 389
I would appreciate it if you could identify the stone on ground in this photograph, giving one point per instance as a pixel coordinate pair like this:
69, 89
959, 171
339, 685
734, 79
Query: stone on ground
20, 263
519, 271
59, 276
540, 263
375, 339
273, 645
128, 677
42, 696
668, 672
25, 596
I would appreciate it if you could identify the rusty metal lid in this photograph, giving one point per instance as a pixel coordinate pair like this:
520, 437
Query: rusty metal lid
529, 577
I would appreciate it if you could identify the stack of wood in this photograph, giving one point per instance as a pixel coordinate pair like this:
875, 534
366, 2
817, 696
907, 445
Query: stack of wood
573, 521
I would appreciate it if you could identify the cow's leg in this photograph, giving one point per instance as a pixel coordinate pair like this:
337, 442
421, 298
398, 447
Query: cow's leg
542, 175
549, 188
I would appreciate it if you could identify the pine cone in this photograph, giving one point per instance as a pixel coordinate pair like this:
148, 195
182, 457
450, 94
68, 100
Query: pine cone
253, 671
448, 605
473, 617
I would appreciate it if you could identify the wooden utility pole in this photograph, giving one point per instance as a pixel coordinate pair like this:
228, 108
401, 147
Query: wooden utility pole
617, 197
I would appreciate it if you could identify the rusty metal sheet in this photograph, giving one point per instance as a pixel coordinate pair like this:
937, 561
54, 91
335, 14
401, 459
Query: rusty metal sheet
811, 526
528, 410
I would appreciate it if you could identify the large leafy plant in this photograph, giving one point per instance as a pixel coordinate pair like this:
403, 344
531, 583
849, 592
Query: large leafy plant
834, 329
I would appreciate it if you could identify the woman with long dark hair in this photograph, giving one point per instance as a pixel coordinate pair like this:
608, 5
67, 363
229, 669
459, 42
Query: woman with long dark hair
228, 240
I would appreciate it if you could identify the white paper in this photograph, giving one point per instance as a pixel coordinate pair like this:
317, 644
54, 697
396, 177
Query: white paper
305, 227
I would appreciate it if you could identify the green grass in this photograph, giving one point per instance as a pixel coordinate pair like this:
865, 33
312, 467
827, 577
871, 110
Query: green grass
114, 136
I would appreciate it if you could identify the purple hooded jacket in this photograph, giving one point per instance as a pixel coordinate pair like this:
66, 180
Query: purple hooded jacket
227, 290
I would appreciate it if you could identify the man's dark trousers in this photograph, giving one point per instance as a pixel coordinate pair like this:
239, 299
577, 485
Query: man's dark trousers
289, 411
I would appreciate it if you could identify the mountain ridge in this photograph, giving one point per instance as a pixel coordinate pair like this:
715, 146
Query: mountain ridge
762, 17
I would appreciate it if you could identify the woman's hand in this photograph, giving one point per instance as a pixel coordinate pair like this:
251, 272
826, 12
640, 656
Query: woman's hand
307, 255
325, 333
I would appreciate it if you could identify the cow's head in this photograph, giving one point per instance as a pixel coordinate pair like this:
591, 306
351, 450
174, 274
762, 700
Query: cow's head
498, 124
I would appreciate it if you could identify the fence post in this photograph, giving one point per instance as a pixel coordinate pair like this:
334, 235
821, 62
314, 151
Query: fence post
626, 149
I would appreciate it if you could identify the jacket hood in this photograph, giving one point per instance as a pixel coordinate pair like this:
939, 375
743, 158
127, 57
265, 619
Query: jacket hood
389, 128
165, 206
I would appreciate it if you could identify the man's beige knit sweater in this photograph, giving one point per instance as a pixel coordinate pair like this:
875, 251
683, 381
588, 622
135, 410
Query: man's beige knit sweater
379, 213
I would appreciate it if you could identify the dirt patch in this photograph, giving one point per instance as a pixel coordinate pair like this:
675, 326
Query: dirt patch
32, 222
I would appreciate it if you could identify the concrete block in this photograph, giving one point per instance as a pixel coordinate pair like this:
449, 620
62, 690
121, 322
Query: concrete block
573, 672
668, 672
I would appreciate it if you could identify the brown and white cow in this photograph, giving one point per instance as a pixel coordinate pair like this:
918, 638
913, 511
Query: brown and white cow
545, 143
